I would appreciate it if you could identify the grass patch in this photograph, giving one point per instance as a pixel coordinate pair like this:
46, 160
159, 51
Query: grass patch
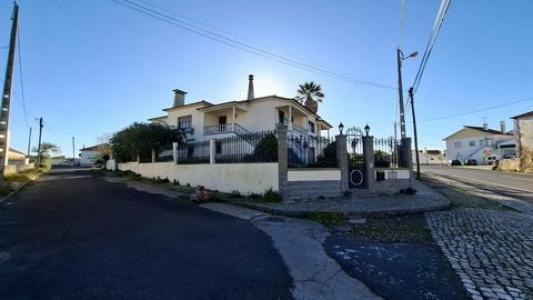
24, 176
405, 229
460, 198
327, 219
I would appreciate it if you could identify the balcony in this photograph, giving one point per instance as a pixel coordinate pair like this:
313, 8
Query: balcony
217, 129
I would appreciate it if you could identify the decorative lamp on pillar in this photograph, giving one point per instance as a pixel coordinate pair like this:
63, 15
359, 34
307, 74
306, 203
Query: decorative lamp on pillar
367, 129
341, 128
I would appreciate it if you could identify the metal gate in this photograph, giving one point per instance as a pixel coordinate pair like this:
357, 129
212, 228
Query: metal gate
356, 163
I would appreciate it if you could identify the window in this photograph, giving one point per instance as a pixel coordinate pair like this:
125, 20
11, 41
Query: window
185, 122
457, 144
490, 143
311, 127
481, 142
472, 143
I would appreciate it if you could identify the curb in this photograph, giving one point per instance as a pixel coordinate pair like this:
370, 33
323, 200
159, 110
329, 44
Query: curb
301, 213
10, 195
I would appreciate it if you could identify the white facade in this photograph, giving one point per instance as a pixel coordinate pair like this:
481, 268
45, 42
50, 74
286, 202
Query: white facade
87, 157
474, 143
203, 121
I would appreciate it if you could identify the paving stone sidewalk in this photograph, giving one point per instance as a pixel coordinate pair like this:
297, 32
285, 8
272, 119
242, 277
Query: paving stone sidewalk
491, 251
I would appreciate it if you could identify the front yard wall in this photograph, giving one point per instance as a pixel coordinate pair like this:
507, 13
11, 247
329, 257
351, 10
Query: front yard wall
246, 178
312, 183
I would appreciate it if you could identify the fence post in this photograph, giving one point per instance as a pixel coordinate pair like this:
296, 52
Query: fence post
138, 157
153, 155
212, 149
283, 165
368, 158
175, 152
407, 156
342, 160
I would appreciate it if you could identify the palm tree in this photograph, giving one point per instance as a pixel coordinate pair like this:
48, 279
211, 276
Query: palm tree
309, 94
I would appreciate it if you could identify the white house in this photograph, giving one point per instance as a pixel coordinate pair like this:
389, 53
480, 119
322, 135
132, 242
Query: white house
202, 120
473, 142
89, 154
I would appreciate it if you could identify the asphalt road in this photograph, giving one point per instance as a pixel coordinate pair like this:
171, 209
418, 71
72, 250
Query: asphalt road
510, 184
71, 235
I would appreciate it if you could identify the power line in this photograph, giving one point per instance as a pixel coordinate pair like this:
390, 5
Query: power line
479, 110
445, 4
167, 17
22, 81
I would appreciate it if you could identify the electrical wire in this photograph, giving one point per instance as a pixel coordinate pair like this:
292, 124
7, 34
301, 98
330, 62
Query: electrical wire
444, 6
167, 17
22, 82
479, 110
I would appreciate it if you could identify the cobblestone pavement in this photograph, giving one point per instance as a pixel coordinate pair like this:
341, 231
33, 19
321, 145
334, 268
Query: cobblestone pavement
491, 250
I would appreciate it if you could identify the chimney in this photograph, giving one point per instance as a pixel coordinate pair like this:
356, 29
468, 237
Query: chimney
502, 126
179, 97
485, 126
250, 87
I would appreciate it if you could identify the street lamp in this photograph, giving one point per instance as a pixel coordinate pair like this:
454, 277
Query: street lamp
401, 58
341, 128
367, 129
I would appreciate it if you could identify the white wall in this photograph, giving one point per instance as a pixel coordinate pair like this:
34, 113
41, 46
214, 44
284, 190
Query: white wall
314, 175
244, 177
87, 157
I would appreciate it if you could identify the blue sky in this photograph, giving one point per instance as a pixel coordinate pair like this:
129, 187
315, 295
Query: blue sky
93, 67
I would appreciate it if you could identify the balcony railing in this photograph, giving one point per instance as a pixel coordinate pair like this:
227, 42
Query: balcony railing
216, 129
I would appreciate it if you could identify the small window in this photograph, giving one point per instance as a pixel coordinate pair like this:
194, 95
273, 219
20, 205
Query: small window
481, 142
490, 143
311, 127
457, 144
472, 143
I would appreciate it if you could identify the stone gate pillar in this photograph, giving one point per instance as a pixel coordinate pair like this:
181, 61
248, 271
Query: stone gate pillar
368, 158
342, 160
283, 161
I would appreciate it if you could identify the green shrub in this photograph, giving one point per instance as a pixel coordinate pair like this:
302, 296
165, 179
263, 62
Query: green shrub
4, 190
325, 218
347, 194
271, 196
267, 149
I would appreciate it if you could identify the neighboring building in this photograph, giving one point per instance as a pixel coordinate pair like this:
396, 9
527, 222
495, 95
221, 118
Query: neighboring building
89, 154
203, 120
523, 134
479, 143
430, 157
15, 155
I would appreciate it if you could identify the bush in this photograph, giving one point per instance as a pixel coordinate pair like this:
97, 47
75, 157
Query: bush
325, 218
271, 196
347, 194
267, 149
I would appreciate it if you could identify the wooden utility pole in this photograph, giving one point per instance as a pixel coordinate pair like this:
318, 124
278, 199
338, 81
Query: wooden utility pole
29, 143
6, 94
400, 92
39, 147
417, 155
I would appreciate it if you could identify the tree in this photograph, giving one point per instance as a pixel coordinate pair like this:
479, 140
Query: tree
141, 138
309, 94
47, 149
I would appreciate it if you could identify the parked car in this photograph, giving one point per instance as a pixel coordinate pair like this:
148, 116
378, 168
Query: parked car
471, 162
509, 156
456, 162
491, 159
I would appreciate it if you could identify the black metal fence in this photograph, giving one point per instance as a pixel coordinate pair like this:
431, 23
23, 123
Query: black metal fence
164, 154
249, 147
355, 151
386, 153
311, 152
193, 153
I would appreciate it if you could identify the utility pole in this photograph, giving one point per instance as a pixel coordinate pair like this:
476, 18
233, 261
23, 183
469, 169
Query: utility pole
39, 147
29, 143
6, 94
73, 147
399, 56
415, 132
